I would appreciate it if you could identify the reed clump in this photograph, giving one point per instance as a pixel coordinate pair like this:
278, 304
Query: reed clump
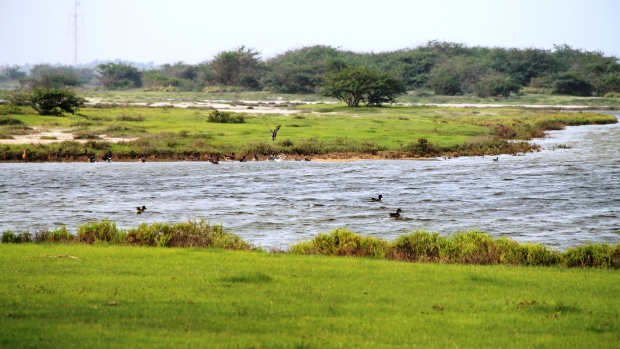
472, 247
193, 233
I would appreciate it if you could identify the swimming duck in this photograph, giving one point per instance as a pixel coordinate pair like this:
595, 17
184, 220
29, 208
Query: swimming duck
140, 209
377, 199
215, 160
231, 157
143, 159
397, 214
243, 159
496, 159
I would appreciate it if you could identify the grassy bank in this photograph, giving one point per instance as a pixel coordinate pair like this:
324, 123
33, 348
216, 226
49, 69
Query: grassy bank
471, 247
318, 130
81, 296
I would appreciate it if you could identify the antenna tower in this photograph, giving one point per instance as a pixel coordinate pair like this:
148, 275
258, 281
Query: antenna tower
77, 31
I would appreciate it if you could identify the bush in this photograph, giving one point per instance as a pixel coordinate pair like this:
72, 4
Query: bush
50, 101
342, 242
356, 85
105, 231
572, 84
496, 85
612, 95
225, 118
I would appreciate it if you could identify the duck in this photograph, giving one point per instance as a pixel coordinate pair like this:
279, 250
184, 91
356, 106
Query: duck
231, 157
377, 199
496, 159
255, 158
108, 157
215, 160
243, 159
307, 159
143, 159
397, 214
59, 154
140, 209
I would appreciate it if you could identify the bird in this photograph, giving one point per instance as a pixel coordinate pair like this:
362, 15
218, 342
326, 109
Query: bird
377, 199
25, 156
255, 158
397, 214
108, 157
59, 154
274, 132
496, 159
231, 157
140, 209
215, 160
143, 159
243, 159
307, 159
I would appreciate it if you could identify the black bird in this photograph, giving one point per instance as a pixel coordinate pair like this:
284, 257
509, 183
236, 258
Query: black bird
243, 159
143, 159
108, 157
140, 209
255, 158
274, 132
377, 199
59, 154
397, 214
496, 159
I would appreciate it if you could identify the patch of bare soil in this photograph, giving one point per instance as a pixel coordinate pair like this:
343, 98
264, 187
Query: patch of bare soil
55, 136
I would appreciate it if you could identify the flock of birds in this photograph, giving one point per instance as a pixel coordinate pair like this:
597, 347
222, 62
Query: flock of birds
392, 214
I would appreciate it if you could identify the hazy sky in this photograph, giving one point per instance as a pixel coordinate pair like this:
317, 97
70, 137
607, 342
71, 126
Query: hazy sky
166, 31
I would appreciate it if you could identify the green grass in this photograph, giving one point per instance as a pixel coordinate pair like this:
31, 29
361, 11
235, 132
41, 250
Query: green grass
317, 130
167, 298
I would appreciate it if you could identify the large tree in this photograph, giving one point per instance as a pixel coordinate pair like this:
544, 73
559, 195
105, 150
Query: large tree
119, 76
354, 85
240, 67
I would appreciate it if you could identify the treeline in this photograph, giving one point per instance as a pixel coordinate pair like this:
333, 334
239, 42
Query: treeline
444, 68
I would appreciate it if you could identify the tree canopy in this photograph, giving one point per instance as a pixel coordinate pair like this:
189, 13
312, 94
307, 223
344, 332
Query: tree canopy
119, 76
49, 101
354, 85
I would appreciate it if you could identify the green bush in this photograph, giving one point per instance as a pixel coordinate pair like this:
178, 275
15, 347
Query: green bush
225, 118
9, 237
342, 242
102, 231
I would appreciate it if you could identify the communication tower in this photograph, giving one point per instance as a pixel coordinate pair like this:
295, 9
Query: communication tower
77, 32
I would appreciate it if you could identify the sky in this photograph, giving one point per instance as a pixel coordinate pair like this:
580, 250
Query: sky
168, 31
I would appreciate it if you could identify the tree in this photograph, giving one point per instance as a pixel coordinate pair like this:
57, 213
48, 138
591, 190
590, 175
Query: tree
355, 85
50, 101
119, 76
496, 84
11, 73
240, 67
570, 83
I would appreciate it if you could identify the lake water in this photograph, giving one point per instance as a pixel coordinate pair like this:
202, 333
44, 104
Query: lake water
561, 197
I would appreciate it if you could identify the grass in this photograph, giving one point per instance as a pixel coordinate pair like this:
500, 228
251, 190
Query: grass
83, 296
335, 131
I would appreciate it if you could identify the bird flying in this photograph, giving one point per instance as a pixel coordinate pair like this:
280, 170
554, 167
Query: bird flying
273, 132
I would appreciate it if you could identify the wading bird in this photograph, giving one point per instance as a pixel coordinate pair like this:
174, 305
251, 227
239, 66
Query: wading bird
274, 132
397, 214
377, 199
139, 209
25, 156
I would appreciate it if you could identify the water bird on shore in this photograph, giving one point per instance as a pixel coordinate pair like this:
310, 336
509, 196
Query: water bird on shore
274, 132
377, 199
139, 209
307, 159
243, 159
397, 214
231, 157
215, 160
143, 159
255, 158
59, 154
496, 159
25, 155
108, 157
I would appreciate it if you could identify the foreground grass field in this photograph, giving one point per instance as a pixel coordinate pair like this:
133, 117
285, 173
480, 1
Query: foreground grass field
121, 297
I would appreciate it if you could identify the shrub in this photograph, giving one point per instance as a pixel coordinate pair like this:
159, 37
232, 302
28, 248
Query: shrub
612, 95
225, 118
105, 231
8, 237
49, 101
342, 242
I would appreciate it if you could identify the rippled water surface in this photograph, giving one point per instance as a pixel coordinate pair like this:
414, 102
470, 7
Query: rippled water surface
559, 197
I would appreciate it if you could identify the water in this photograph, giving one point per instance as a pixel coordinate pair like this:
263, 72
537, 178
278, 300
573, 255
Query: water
561, 197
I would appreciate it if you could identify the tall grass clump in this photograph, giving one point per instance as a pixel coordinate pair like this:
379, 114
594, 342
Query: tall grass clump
58, 235
9, 237
102, 231
225, 118
592, 256
194, 233
342, 242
